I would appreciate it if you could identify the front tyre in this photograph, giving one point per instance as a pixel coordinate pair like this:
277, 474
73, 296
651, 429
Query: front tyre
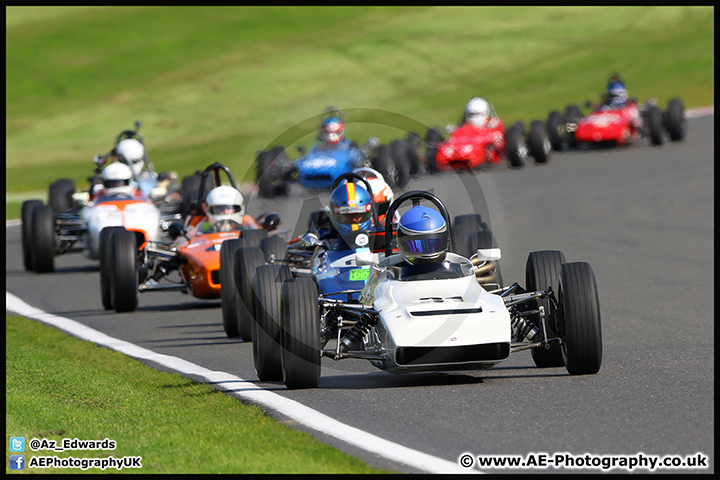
43, 239
655, 125
229, 296
267, 288
515, 149
675, 120
582, 346
105, 258
542, 270
247, 259
123, 269
300, 354
26, 232
539, 143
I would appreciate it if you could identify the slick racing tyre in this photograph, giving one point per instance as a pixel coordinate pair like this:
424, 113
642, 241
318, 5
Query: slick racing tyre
123, 271
247, 259
412, 147
274, 248
26, 232
675, 122
582, 346
398, 152
266, 290
557, 133
105, 260
539, 143
60, 195
572, 117
43, 239
190, 189
515, 149
653, 117
432, 138
395, 170
300, 337
542, 270
252, 238
462, 227
229, 296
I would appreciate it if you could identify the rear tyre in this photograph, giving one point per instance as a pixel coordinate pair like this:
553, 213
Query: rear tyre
60, 195
43, 239
654, 125
26, 232
462, 227
252, 238
300, 353
105, 258
572, 117
412, 147
432, 138
582, 348
229, 296
398, 150
247, 259
675, 122
515, 149
384, 164
123, 270
190, 189
274, 248
267, 288
557, 134
539, 143
542, 270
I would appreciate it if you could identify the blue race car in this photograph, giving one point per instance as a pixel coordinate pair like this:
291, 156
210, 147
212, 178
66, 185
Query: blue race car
330, 156
322, 253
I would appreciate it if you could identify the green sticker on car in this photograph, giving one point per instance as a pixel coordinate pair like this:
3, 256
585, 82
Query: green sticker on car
359, 274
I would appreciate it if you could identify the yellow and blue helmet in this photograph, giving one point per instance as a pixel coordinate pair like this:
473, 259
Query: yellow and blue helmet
350, 208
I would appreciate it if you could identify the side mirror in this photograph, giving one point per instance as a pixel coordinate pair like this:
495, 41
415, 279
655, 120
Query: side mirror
366, 258
270, 221
309, 240
488, 254
174, 230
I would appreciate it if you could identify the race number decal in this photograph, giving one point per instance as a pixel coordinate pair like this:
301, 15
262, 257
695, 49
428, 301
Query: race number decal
358, 274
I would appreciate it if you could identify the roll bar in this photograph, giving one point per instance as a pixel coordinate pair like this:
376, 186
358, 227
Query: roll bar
415, 196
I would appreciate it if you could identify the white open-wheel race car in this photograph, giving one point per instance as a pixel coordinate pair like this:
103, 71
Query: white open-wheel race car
438, 316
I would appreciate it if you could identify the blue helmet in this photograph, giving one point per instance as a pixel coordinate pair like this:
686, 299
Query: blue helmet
350, 208
422, 235
332, 130
616, 92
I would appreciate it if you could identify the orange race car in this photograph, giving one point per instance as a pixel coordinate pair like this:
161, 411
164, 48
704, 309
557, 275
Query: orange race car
190, 262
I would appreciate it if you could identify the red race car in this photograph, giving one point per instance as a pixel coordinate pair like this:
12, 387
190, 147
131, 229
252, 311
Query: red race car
622, 126
475, 144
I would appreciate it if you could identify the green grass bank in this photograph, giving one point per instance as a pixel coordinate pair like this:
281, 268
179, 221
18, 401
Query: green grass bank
222, 83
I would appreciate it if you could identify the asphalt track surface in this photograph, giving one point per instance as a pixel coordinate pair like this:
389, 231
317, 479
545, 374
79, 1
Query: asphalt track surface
642, 216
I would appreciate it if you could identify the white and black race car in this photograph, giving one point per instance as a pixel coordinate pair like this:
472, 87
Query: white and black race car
438, 316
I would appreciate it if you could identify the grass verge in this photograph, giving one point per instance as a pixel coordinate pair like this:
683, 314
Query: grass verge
61, 387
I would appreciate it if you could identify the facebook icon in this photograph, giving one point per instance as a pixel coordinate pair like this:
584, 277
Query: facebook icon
17, 462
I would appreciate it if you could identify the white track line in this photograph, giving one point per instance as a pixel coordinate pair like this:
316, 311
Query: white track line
237, 387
